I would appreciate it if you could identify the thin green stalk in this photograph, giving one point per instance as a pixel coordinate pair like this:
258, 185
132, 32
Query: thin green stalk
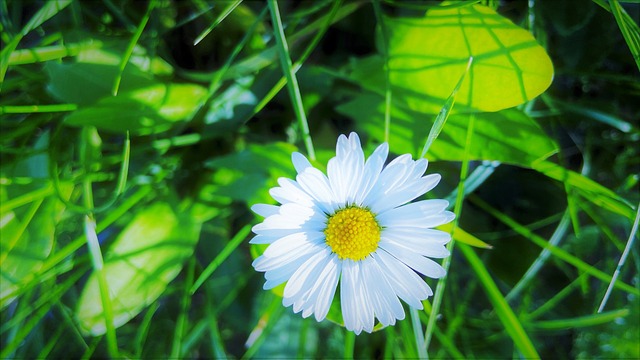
446, 263
227, 10
387, 70
184, 308
292, 82
221, 257
94, 248
509, 320
623, 259
296, 66
266, 322
418, 334
349, 343
32, 109
134, 40
443, 115
532, 271
557, 252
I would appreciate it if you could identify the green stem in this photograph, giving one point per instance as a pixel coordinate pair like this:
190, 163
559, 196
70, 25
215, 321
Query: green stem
292, 82
446, 263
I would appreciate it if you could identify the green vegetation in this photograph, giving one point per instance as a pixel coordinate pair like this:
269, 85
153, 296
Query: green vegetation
135, 135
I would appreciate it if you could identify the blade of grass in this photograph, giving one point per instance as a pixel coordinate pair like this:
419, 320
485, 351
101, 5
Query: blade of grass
225, 12
143, 330
558, 298
629, 29
266, 322
509, 320
532, 271
418, 335
305, 54
443, 115
93, 245
292, 81
623, 259
578, 322
558, 252
48, 10
185, 302
222, 256
446, 263
385, 53
134, 40
32, 109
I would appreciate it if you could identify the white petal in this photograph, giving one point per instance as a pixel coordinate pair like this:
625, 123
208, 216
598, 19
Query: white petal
372, 169
406, 283
405, 193
413, 243
386, 304
288, 243
316, 184
300, 162
290, 191
329, 276
265, 210
415, 261
301, 282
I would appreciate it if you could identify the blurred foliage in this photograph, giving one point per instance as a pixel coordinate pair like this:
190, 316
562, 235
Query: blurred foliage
197, 87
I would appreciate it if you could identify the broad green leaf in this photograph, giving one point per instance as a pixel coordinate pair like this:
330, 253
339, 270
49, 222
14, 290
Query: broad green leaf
143, 111
509, 136
428, 55
146, 256
27, 238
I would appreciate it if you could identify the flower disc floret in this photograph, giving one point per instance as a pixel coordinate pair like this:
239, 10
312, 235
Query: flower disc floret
352, 233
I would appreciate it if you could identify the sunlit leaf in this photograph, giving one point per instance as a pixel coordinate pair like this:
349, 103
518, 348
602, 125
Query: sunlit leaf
509, 136
427, 56
28, 238
143, 111
145, 257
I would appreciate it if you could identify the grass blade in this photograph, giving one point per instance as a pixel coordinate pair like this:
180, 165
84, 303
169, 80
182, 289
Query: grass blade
558, 252
623, 259
509, 320
438, 124
227, 10
222, 256
292, 82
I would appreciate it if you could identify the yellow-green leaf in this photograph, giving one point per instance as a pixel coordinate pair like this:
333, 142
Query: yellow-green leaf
146, 256
427, 56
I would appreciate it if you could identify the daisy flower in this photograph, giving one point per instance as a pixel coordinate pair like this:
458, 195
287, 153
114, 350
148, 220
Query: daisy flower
356, 229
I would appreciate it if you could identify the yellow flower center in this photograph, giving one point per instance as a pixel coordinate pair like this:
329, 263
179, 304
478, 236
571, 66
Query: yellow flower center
353, 233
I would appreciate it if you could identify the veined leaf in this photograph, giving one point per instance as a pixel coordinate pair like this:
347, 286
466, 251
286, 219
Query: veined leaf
146, 256
427, 56
143, 111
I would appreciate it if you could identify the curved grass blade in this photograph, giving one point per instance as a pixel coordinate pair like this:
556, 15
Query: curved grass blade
227, 10
509, 320
222, 256
132, 44
292, 81
623, 259
438, 124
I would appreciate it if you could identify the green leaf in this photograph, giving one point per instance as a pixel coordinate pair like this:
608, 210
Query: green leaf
148, 110
427, 56
147, 255
27, 238
509, 136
